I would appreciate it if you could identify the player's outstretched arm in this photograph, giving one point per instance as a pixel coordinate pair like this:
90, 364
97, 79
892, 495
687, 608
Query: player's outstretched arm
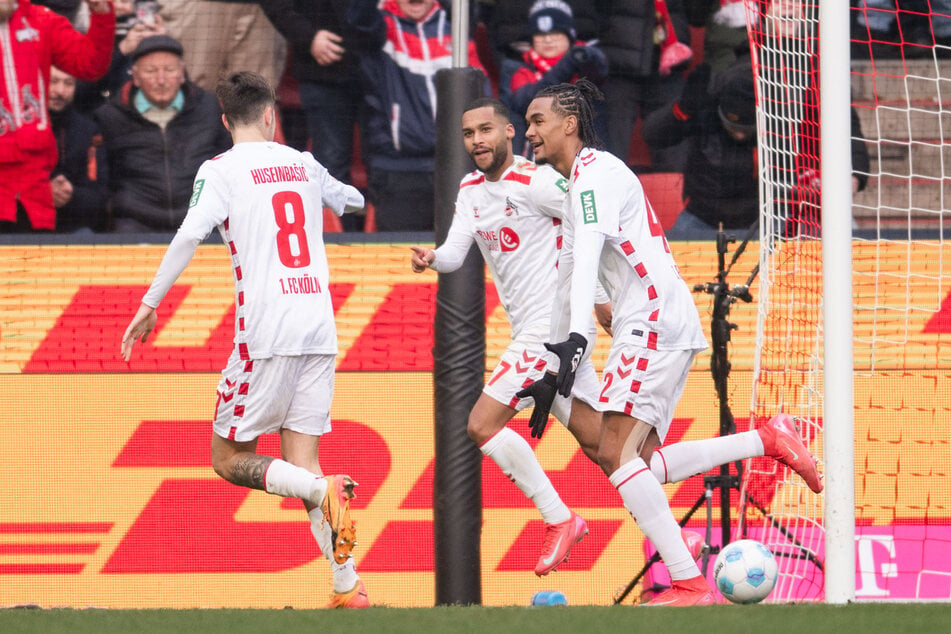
422, 258
139, 328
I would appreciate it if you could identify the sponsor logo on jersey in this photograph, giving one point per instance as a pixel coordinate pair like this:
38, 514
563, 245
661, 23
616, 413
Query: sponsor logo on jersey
196, 192
510, 207
562, 184
508, 239
588, 208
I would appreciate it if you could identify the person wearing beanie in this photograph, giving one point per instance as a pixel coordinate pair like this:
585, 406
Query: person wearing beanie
135, 21
555, 57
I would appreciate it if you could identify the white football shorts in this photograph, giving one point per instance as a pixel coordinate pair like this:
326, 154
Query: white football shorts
522, 364
264, 396
645, 384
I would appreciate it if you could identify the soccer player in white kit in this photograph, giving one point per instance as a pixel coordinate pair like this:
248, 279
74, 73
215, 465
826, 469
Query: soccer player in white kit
267, 200
512, 210
612, 235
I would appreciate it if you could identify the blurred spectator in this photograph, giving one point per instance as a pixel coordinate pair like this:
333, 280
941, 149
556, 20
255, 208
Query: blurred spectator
328, 80
510, 35
32, 38
646, 45
721, 184
724, 29
401, 46
720, 178
158, 130
902, 28
79, 181
135, 21
555, 57
223, 36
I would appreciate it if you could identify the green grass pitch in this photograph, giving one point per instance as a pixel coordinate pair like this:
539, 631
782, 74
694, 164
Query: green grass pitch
799, 619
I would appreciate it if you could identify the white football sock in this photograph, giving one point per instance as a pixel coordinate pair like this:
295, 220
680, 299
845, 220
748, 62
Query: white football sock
685, 459
645, 499
518, 462
290, 481
344, 575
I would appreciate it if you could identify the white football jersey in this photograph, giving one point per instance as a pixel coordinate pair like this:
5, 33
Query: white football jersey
652, 306
266, 200
516, 223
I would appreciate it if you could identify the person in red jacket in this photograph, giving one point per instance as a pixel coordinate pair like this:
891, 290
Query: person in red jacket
33, 38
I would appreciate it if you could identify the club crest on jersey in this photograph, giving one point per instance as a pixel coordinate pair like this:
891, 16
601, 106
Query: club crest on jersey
475, 211
196, 192
27, 33
589, 210
508, 239
510, 207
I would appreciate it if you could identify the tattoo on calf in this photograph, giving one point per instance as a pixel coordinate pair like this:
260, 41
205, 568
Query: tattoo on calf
249, 470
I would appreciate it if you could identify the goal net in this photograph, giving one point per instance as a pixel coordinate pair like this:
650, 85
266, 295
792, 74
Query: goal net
901, 280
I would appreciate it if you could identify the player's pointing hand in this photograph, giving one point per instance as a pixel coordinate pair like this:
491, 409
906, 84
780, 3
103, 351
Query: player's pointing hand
422, 258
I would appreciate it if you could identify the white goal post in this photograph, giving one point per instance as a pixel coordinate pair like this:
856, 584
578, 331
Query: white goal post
836, 196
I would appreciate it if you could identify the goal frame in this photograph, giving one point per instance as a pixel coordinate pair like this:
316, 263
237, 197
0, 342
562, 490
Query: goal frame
837, 309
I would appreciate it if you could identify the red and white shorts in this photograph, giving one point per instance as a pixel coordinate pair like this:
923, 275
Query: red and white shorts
522, 364
264, 396
645, 384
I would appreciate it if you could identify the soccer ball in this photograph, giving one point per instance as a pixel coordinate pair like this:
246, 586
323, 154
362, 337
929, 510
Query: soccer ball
745, 571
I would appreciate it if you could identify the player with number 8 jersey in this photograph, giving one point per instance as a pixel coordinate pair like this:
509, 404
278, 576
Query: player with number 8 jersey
267, 200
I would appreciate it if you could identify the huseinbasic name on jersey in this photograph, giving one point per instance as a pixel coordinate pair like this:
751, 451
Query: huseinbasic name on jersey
280, 174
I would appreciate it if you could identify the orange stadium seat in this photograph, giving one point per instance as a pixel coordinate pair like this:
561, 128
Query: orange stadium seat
332, 222
665, 192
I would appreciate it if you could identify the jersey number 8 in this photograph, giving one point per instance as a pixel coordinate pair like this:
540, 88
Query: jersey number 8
289, 214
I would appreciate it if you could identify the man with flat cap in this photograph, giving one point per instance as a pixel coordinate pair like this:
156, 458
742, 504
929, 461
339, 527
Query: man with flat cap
158, 130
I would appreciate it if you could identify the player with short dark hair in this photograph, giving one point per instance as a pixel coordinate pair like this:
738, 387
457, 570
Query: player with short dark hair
243, 98
267, 200
511, 209
613, 235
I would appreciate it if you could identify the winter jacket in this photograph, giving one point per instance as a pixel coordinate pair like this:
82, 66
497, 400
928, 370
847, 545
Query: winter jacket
298, 21
82, 160
537, 72
151, 170
33, 39
720, 175
399, 58
628, 34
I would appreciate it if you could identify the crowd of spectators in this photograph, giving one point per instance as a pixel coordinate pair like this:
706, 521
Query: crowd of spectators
119, 91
